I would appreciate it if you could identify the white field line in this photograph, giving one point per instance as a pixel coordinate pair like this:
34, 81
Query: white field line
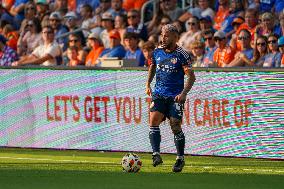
102, 162
57, 160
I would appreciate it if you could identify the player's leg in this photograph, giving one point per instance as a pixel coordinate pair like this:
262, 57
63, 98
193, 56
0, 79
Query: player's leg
156, 117
179, 138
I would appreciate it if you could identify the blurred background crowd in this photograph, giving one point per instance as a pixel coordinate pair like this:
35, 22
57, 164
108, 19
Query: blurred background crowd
218, 33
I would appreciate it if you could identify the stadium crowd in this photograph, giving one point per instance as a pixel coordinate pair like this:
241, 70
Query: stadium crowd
220, 33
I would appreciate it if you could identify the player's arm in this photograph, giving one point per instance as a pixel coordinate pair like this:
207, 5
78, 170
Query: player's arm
189, 81
151, 75
181, 98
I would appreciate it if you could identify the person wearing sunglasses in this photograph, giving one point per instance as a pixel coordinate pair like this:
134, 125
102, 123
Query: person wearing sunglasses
193, 33
210, 48
244, 39
273, 58
134, 25
224, 54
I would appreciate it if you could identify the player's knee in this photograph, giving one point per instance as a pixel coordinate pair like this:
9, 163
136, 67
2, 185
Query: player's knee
175, 126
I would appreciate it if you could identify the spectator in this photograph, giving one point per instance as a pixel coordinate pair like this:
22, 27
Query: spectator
12, 36
116, 49
59, 5
133, 4
202, 10
7, 4
133, 52
154, 39
236, 9
198, 50
108, 25
97, 48
86, 13
206, 23
221, 14
5, 16
148, 49
279, 6
251, 20
260, 51
75, 41
210, 48
170, 8
120, 24
55, 20
42, 9
267, 25
94, 4
116, 8
279, 29
281, 49
7, 54
157, 30
236, 24
193, 33
134, 25
246, 52
72, 54
264, 5
46, 53
273, 58
71, 21
17, 10
30, 13
104, 7
30, 39
224, 54
158, 15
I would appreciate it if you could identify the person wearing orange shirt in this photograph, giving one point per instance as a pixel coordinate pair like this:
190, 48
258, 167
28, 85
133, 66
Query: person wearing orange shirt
221, 14
250, 24
133, 4
96, 44
224, 54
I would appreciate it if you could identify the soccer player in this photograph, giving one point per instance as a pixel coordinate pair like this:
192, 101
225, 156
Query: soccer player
170, 63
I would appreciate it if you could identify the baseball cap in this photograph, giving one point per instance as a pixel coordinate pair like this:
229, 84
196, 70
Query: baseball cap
281, 41
94, 35
71, 15
3, 39
55, 15
219, 34
206, 18
114, 34
238, 20
44, 2
107, 16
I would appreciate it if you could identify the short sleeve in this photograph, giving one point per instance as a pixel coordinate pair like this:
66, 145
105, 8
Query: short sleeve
54, 51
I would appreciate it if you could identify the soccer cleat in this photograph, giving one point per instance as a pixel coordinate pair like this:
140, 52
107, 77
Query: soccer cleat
178, 166
157, 160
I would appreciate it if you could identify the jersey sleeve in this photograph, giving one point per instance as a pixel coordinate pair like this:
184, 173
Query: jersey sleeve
153, 59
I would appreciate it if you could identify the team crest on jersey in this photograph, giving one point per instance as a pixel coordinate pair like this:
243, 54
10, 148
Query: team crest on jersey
174, 60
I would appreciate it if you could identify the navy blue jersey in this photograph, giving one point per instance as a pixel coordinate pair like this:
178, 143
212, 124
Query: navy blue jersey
169, 71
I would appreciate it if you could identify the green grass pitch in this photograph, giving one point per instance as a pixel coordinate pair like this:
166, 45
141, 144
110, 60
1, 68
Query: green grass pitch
72, 169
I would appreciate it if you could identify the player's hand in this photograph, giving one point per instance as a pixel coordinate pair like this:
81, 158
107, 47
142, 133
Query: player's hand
181, 98
148, 91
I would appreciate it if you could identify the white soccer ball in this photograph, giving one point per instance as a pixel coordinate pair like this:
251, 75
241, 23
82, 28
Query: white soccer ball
131, 163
